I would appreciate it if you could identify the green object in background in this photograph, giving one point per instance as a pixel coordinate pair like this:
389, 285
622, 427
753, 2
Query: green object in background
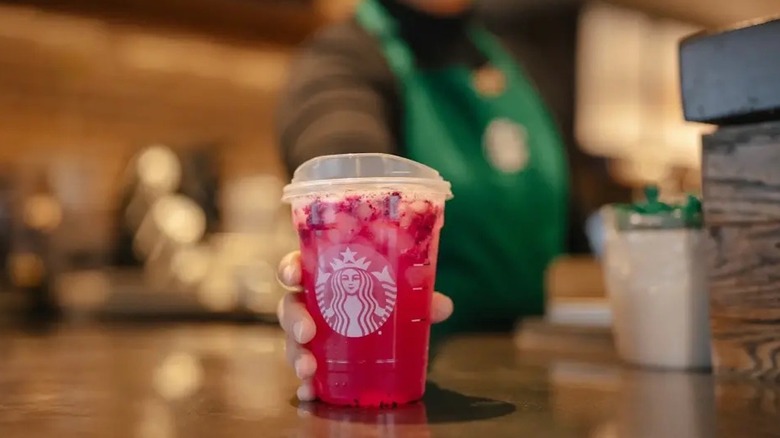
506, 161
654, 214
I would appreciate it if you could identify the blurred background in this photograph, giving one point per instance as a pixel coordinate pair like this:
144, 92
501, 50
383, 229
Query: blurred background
139, 176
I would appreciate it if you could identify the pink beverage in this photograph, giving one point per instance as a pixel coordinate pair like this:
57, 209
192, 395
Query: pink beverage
368, 250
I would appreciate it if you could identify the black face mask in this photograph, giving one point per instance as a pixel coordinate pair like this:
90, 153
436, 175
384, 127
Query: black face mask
410, 16
412, 20
436, 41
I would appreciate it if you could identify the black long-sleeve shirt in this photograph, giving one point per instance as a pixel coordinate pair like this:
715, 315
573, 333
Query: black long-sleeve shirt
343, 97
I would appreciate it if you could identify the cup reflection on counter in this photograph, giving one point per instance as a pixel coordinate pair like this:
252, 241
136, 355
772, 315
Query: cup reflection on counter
661, 405
666, 404
634, 403
322, 420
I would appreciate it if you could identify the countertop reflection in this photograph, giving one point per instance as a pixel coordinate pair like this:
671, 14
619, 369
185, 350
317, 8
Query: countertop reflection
168, 381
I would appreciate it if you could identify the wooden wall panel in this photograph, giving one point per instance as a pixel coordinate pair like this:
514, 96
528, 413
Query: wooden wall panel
740, 171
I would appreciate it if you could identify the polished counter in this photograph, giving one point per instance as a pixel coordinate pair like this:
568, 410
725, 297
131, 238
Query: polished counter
203, 380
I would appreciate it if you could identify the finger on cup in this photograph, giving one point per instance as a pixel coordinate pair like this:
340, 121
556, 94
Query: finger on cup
305, 365
305, 392
289, 271
295, 319
300, 359
441, 308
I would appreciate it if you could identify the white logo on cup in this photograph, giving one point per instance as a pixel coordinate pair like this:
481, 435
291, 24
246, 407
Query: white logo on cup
506, 145
355, 300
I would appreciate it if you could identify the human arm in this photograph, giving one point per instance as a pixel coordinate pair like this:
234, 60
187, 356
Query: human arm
341, 98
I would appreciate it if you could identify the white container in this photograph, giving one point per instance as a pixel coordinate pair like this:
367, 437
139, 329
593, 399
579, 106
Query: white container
654, 264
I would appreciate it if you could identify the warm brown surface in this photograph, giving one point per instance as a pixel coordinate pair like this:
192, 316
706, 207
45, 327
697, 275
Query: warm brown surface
212, 381
539, 335
706, 12
85, 93
743, 219
282, 21
576, 277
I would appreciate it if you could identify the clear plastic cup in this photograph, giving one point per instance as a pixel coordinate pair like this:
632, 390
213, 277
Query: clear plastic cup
369, 234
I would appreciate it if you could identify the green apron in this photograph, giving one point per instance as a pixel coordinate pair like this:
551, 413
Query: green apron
506, 222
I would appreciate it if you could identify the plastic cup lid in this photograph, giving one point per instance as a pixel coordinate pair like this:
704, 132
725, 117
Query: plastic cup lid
338, 172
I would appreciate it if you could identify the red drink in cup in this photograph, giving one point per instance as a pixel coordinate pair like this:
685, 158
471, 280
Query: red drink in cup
369, 232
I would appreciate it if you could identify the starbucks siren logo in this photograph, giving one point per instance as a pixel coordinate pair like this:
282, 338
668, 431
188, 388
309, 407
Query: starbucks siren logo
355, 299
